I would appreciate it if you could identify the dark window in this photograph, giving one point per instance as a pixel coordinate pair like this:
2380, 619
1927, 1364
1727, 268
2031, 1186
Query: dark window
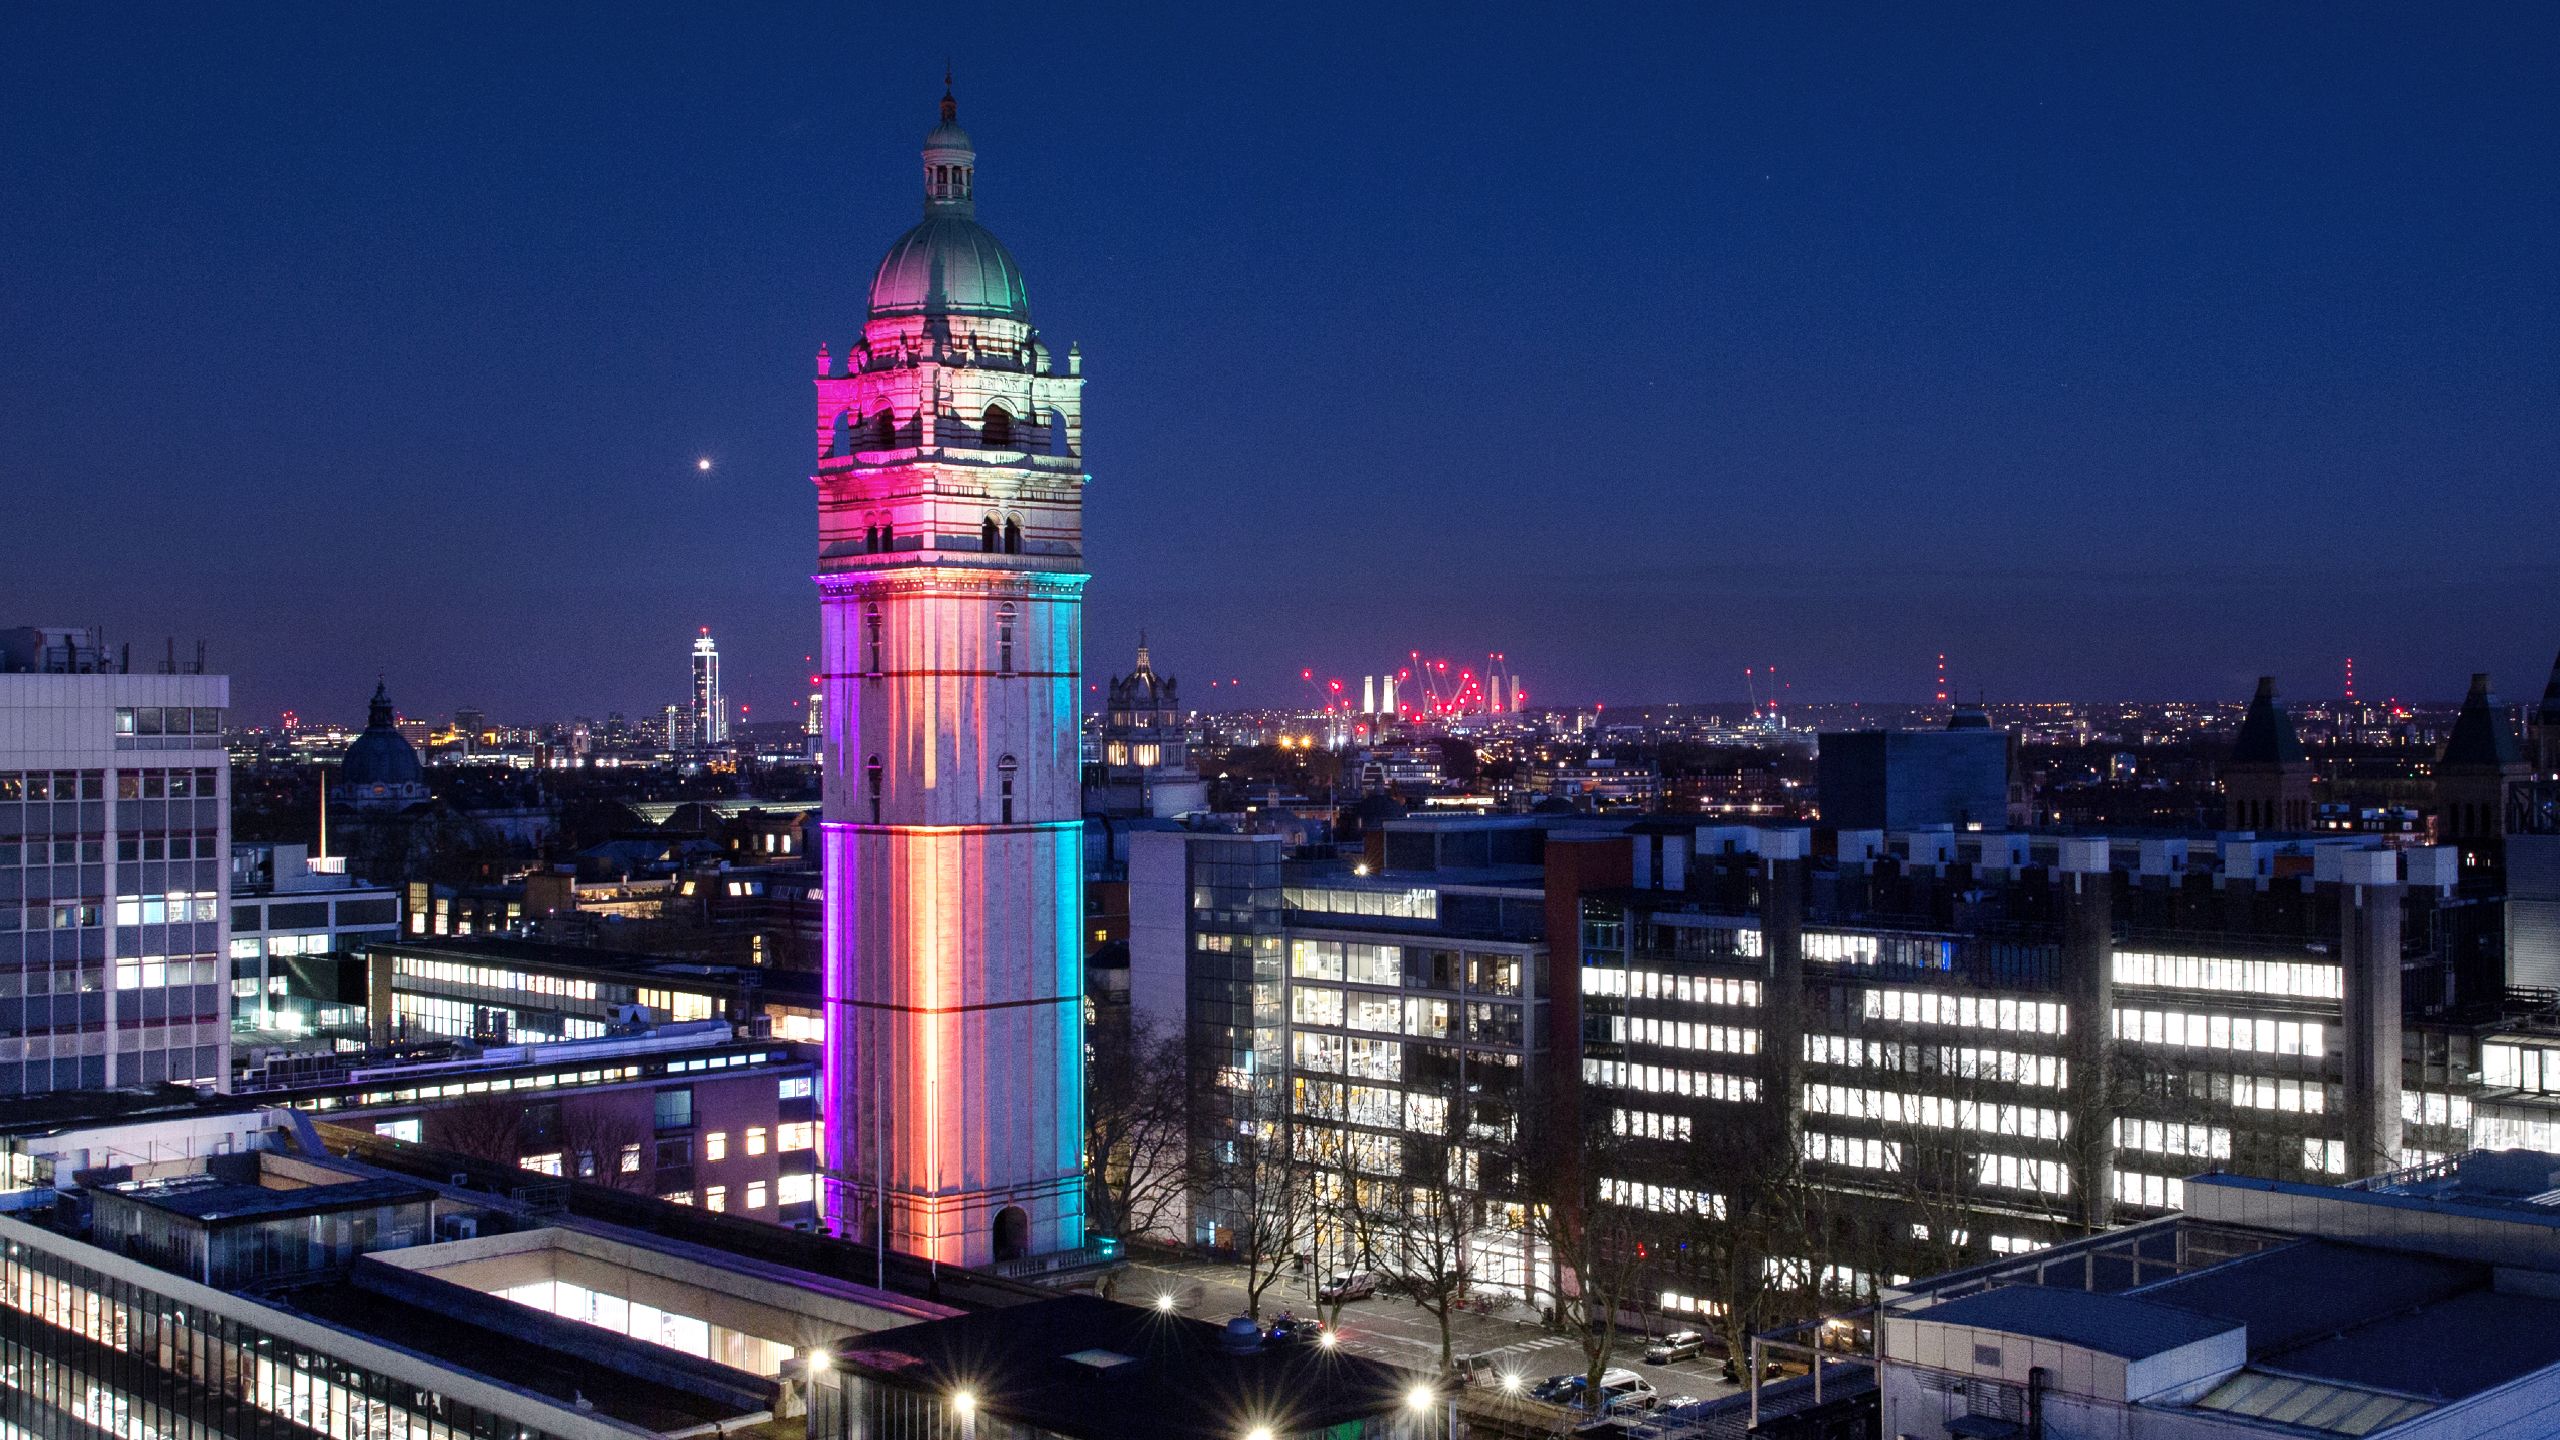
1004, 785
1012, 536
368, 912
871, 776
987, 534
999, 428
1004, 639
884, 429
871, 634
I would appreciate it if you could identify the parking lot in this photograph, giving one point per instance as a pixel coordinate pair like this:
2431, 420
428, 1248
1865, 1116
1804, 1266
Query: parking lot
1403, 1333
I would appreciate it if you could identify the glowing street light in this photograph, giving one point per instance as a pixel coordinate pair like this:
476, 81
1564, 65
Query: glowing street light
1510, 1382
1420, 1399
820, 1362
1164, 1303
965, 1403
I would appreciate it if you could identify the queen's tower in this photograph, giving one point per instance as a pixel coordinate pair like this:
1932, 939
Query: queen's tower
950, 575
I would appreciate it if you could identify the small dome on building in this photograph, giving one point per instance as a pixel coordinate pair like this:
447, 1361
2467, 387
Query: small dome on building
381, 767
949, 264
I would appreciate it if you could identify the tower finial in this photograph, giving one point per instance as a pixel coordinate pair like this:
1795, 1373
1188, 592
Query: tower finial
950, 107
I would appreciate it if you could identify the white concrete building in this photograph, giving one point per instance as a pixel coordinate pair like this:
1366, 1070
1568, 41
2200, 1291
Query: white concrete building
115, 837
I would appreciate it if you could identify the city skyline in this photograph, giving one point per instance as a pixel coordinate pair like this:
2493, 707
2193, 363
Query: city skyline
1937, 314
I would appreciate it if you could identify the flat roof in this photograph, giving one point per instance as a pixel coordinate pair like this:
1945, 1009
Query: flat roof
2314, 1287
619, 964
1087, 1367
2109, 1324
63, 1110
210, 1201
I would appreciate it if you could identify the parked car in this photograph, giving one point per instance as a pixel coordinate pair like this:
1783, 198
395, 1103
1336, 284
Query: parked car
1621, 1392
1291, 1329
1769, 1370
1678, 1345
1480, 1370
1348, 1285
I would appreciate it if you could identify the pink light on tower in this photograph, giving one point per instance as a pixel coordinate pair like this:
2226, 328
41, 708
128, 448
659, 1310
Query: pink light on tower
951, 835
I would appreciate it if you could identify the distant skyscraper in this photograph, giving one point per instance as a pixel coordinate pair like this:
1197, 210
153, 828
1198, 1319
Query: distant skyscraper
114, 798
710, 716
950, 532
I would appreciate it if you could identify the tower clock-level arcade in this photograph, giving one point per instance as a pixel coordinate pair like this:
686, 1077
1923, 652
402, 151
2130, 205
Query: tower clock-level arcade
950, 574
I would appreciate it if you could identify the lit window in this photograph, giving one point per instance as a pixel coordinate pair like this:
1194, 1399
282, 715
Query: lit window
716, 1198
756, 1195
715, 1146
755, 1140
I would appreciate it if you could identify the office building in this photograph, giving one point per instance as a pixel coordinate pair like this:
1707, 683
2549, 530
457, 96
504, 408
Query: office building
289, 908
1390, 1021
1907, 779
290, 1290
496, 990
2424, 1302
1980, 1044
950, 479
115, 869
692, 1113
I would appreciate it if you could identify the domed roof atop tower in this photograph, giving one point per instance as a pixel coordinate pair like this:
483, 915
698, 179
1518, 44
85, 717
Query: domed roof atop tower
949, 264
380, 762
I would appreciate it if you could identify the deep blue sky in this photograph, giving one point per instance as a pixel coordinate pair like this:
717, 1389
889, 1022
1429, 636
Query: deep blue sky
2117, 351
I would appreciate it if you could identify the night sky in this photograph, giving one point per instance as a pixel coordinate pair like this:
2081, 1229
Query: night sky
2117, 352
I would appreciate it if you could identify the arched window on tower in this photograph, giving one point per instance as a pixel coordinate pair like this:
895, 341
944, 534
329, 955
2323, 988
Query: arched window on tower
1005, 769
871, 777
1012, 535
871, 636
1004, 638
841, 442
987, 538
871, 538
884, 430
997, 429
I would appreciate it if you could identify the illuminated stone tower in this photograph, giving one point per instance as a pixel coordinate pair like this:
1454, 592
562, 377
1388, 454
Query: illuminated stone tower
950, 575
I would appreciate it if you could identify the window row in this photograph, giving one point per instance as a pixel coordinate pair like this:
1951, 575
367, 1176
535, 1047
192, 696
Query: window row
1661, 1199
2220, 1032
1656, 985
1968, 1011
171, 909
1666, 1080
1858, 1152
1937, 1112
1684, 1035
2022, 1172
1967, 1062
2195, 1142
167, 720
1649, 1125
2301, 979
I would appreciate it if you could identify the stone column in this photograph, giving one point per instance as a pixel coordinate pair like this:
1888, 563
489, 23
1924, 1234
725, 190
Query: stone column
2088, 986
1783, 855
2369, 895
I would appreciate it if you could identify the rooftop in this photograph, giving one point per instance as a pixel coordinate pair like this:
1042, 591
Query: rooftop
1082, 1366
2117, 1325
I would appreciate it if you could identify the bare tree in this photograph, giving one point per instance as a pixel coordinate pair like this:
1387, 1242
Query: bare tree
483, 1127
1753, 1233
594, 1135
1594, 1244
1256, 1181
1424, 1245
1137, 1132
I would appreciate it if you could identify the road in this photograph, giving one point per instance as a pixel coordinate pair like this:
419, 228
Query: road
1403, 1333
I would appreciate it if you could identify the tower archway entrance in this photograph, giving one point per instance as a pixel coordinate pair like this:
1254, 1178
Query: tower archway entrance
1013, 1233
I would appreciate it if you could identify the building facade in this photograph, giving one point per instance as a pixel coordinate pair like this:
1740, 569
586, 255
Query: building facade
115, 870
950, 482
710, 711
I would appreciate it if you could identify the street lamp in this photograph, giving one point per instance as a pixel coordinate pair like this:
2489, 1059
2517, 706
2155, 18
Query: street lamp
1419, 1399
1165, 1303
